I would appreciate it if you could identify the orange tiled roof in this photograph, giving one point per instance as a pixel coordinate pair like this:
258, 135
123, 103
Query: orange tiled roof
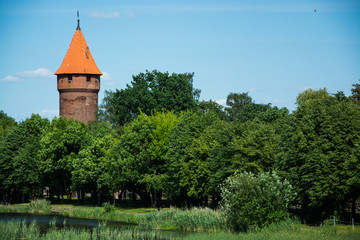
78, 59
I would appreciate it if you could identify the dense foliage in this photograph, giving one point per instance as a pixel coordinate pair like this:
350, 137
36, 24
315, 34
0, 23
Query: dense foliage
148, 91
318, 152
255, 200
155, 140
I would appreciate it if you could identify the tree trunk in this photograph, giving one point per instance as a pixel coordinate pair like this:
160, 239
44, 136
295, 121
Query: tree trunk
353, 206
99, 196
152, 199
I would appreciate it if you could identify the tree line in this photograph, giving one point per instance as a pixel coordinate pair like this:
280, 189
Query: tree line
156, 140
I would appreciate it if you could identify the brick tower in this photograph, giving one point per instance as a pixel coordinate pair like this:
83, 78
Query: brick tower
78, 81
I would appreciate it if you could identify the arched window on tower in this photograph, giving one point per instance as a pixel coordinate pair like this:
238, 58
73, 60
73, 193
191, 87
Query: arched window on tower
88, 78
69, 78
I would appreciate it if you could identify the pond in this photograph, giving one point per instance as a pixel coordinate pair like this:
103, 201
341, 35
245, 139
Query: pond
44, 221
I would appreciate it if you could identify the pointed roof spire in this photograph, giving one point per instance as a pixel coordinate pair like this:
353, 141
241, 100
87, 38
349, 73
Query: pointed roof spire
78, 26
78, 58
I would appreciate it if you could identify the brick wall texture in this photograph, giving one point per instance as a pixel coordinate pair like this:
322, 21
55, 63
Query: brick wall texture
79, 96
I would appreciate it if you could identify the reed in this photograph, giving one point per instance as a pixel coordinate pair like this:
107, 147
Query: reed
20, 230
195, 219
97, 213
10, 209
39, 206
288, 229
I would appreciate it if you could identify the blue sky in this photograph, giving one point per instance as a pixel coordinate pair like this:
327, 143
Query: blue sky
272, 49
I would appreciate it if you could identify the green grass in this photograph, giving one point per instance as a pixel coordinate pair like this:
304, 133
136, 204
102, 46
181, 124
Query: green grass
122, 213
20, 230
210, 224
39, 206
196, 219
288, 229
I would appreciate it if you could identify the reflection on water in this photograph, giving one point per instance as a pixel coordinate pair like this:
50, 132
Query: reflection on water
60, 220
44, 222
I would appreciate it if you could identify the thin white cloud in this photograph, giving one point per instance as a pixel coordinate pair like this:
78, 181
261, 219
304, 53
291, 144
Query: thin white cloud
105, 76
221, 101
301, 89
276, 101
104, 14
40, 72
10, 78
107, 79
49, 113
21, 76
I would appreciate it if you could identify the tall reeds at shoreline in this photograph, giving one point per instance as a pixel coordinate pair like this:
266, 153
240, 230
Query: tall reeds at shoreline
39, 206
195, 219
287, 229
21, 230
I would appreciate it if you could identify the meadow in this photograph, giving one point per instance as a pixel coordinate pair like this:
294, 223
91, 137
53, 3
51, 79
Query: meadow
150, 223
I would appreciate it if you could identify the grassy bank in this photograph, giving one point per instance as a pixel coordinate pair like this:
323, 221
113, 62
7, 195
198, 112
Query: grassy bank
195, 223
122, 214
20, 230
284, 230
196, 220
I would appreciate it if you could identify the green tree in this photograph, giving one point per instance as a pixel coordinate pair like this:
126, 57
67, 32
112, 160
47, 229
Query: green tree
188, 170
317, 145
352, 169
209, 162
255, 200
19, 167
355, 92
253, 147
213, 106
140, 154
6, 123
60, 146
91, 170
149, 91
241, 107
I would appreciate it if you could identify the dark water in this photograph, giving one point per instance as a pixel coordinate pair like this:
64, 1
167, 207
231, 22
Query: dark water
61, 220
43, 221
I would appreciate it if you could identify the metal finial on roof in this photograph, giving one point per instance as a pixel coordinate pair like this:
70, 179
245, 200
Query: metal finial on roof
78, 26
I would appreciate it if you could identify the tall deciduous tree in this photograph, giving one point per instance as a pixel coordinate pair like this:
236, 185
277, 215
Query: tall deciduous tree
6, 123
140, 154
355, 92
253, 147
92, 166
188, 170
207, 106
59, 147
241, 107
316, 149
19, 167
149, 91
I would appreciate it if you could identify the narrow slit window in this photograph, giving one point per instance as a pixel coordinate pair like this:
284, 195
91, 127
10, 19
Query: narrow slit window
88, 78
69, 79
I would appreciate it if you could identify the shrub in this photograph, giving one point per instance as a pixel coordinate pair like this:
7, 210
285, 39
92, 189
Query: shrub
108, 207
39, 206
255, 201
196, 219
